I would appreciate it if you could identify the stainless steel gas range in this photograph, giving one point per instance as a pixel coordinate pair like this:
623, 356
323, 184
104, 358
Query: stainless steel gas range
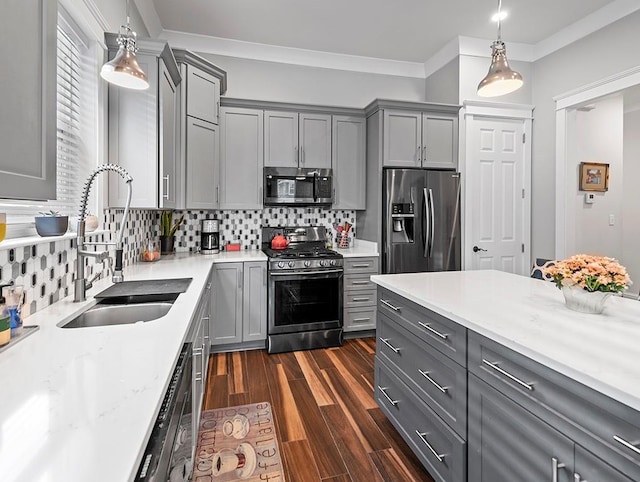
305, 282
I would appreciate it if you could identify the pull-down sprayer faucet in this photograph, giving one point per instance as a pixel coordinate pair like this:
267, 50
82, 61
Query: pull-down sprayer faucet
81, 285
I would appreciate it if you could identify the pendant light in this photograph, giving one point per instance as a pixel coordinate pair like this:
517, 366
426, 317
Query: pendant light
500, 79
123, 70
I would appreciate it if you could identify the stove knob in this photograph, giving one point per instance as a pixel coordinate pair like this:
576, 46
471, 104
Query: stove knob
280, 264
292, 264
333, 262
323, 262
307, 264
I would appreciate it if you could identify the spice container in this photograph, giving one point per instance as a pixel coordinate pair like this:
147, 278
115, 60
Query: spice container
5, 324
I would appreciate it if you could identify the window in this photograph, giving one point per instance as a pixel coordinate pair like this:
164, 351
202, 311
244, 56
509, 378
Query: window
77, 134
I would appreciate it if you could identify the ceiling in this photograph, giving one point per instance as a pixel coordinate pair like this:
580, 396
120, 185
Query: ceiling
404, 30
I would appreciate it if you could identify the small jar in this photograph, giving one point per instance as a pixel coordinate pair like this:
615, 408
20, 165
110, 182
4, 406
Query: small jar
150, 251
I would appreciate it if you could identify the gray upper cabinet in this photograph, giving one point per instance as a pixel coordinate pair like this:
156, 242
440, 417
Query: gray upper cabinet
202, 165
203, 95
28, 133
419, 135
198, 132
241, 158
142, 134
294, 139
348, 153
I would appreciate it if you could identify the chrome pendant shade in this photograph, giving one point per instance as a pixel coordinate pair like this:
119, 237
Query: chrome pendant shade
123, 70
500, 79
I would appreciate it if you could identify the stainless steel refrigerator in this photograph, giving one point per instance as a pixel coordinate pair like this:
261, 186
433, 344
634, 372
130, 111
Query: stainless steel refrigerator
421, 221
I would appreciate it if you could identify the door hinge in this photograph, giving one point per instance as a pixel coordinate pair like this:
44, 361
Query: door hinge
524, 137
523, 247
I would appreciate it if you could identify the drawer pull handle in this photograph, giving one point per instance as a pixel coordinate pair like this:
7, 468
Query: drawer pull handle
360, 266
360, 282
424, 440
435, 384
384, 392
361, 319
389, 305
555, 465
386, 342
444, 336
629, 445
495, 366
361, 299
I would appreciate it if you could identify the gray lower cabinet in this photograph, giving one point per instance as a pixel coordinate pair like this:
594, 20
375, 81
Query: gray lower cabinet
201, 348
202, 164
28, 133
508, 443
360, 300
241, 158
589, 468
239, 309
348, 161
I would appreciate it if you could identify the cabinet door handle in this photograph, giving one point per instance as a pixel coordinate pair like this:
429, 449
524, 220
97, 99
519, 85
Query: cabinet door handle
295, 153
426, 326
435, 384
424, 153
217, 194
419, 150
629, 445
422, 436
386, 342
577, 478
218, 109
239, 280
301, 155
384, 392
495, 366
165, 194
389, 305
555, 466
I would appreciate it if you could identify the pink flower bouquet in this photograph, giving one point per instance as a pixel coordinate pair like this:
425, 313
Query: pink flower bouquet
591, 273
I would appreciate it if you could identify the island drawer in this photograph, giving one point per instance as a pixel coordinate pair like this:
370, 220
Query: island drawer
358, 282
361, 265
439, 381
439, 448
605, 427
441, 333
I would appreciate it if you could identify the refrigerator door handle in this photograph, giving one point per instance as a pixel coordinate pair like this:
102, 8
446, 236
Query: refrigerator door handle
432, 230
426, 223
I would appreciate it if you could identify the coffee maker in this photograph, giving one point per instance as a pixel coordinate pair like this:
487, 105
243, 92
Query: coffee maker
210, 236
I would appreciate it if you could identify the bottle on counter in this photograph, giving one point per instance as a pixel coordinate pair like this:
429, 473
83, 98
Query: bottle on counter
5, 324
14, 301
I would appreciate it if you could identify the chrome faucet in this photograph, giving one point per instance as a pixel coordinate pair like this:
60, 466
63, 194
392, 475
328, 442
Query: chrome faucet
81, 285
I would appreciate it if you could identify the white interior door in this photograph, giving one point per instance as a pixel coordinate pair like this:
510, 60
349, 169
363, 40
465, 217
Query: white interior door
497, 194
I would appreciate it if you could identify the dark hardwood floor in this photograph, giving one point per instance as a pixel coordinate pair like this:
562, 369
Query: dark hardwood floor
329, 427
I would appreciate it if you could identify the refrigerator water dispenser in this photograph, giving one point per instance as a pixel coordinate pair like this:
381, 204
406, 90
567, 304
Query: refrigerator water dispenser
403, 223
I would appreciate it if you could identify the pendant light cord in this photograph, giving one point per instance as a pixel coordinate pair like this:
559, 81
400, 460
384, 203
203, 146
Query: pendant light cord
499, 20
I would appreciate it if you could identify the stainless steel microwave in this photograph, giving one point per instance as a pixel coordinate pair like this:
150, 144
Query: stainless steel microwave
290, 186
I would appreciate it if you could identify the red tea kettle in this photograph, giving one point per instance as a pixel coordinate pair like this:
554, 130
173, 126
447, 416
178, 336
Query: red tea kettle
279, 242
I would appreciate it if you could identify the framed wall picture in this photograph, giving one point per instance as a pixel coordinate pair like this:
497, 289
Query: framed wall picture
594, 176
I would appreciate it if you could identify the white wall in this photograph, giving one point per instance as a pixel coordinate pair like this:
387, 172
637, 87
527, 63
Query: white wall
608, 51
597, 136
259, 80
631, 200
442, 85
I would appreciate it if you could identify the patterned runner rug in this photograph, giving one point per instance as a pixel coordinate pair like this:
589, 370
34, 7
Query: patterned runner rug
238, 443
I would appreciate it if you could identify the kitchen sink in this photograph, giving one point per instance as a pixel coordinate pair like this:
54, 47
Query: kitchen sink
105, 314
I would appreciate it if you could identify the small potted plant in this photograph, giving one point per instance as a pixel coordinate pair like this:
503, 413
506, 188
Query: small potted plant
51, 223
168, 230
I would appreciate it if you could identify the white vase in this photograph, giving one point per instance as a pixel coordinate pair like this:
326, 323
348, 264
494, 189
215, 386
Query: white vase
578, 299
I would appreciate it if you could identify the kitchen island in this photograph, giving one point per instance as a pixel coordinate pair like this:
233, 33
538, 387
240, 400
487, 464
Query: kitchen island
502, 372
79, 404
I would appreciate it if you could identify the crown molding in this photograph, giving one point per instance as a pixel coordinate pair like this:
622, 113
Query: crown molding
442, 57
294, 56
150, 18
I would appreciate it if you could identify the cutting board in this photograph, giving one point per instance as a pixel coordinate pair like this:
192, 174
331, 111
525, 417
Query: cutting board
145, 287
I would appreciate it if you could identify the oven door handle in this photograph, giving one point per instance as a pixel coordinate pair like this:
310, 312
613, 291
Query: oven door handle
309, 273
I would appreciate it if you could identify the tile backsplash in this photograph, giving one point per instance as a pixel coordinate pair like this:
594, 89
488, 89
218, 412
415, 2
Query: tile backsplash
46, 268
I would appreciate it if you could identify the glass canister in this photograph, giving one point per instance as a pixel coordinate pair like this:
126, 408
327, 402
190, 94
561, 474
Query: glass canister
150, 251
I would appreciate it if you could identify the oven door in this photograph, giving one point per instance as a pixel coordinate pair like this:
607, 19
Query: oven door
305, 301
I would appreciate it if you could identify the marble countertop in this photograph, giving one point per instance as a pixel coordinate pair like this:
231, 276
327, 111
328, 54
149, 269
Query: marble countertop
529, 317
79, 404
359, 249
